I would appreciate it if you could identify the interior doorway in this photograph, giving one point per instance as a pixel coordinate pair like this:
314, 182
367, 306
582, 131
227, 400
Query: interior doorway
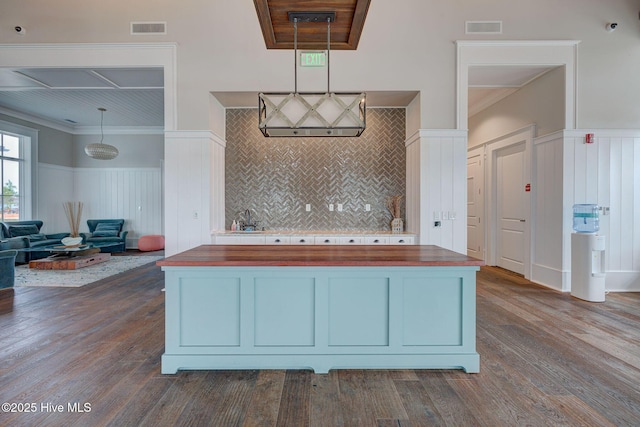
510, 208
503, 226
503, 197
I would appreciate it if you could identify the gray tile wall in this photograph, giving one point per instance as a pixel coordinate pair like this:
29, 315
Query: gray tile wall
277, 177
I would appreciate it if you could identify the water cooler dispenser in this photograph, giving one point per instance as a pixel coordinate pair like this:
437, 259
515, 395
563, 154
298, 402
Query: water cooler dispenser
587, 255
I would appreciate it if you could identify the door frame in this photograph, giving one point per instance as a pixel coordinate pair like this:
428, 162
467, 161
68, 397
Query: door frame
493, 148
549, 53
479, 151
104, 55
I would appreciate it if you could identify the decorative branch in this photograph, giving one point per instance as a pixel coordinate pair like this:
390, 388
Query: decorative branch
393, 205
73, 211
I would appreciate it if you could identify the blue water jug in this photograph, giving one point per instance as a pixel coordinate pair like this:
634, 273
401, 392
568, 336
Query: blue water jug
585, 218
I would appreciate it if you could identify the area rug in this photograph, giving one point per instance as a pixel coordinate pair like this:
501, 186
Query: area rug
26, 276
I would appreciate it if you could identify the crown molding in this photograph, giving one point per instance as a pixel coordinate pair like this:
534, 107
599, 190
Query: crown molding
36, 120
83, 130
463, 43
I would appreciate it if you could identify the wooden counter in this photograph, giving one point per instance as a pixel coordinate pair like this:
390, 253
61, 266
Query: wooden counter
318, 256
320, 308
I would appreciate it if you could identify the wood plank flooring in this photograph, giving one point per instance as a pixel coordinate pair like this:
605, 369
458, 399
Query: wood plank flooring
547, 359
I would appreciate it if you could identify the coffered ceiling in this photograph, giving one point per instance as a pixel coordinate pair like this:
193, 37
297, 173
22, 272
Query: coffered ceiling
68, 98
277, 29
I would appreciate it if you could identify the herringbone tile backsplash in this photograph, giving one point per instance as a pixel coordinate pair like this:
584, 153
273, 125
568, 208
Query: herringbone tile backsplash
277, 177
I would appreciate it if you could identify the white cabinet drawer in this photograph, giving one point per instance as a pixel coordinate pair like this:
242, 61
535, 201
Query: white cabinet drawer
302, 240
278, 240
350, 240
325, 240
401, 240
275, 239
239, 240
376, 240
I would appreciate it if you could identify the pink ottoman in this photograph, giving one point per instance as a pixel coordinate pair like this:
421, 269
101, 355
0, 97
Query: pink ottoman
152, 242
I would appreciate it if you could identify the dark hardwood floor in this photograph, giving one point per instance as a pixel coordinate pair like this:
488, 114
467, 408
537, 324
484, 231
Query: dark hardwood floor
547, 359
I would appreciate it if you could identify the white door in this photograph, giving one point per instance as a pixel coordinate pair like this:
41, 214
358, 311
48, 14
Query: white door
475, 205
511, 207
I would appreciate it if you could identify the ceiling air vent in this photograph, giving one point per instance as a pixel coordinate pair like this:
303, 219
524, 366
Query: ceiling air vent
148, 28
483, 27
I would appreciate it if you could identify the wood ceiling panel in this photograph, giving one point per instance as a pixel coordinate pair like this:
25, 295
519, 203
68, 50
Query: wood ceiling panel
345, 30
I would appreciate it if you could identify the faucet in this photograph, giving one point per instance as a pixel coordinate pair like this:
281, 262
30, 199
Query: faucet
247, 224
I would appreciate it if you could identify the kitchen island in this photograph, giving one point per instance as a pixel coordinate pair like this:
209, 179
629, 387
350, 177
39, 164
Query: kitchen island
320, 308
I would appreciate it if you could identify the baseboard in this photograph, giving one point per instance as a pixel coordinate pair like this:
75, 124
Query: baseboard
622, 281
551, 277
132, 243
616, 281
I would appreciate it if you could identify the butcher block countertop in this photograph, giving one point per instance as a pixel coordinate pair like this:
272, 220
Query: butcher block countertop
318, 256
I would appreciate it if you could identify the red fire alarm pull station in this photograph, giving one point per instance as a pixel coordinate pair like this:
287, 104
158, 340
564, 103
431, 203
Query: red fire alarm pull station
527, 187
589, 138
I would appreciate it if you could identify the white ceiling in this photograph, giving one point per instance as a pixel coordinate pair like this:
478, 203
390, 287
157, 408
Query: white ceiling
69, 98
490, 84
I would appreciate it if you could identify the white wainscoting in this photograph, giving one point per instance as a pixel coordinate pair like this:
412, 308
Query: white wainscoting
217, 220
55, 187
607, 172
548, 264
567, 171
194, 193
134, 194
437, 185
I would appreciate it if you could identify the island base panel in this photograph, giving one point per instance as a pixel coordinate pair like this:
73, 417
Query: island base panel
320, 364
320, 318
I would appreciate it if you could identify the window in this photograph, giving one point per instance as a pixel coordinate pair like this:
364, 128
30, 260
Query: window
10, 174
15, 172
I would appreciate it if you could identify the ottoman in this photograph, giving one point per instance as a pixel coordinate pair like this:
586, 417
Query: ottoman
152, 242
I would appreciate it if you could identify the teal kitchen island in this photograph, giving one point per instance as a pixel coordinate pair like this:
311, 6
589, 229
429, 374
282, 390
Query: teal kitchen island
320, 308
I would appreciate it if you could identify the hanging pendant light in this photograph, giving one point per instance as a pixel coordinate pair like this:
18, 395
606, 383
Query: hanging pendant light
311, 113
101, 151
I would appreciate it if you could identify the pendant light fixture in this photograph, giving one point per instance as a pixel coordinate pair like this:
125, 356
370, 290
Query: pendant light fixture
101, 151
312, 113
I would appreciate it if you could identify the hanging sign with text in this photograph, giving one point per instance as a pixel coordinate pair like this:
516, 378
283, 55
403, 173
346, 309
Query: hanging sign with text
313, 59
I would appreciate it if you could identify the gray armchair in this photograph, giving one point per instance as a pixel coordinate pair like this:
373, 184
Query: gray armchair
7, 268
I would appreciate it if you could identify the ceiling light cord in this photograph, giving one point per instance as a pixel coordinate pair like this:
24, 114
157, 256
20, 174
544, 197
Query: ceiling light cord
311, 113
328, 52
102, 110
295, 54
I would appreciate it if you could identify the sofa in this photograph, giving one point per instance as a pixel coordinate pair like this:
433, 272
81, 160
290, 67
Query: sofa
106, 234
7, 268
26, 235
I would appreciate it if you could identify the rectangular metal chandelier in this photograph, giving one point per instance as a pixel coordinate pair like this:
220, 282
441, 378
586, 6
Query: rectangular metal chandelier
312, 114
304, 114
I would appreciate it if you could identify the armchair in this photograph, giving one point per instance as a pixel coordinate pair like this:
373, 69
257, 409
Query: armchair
7, 268
106, 234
